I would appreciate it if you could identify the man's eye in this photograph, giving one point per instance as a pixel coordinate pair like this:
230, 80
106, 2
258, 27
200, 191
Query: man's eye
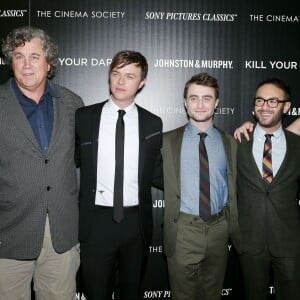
273, 101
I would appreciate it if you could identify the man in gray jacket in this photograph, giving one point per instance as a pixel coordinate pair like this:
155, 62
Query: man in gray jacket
38, 193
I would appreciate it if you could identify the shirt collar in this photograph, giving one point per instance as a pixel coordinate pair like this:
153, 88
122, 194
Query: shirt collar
259, 133
193, 130
114, 108
49, 90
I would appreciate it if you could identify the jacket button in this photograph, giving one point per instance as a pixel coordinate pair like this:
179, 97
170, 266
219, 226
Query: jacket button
46, 161
48, 188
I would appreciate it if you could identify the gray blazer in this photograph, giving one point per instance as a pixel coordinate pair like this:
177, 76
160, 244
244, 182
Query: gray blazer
33, 184
172, 141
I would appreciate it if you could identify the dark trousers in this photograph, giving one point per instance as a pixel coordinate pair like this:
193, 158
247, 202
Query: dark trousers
256, 272
113, 247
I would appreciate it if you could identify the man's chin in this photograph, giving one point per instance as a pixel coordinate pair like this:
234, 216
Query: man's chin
268, 124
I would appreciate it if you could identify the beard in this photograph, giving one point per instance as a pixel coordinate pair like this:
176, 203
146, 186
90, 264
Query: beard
274, 119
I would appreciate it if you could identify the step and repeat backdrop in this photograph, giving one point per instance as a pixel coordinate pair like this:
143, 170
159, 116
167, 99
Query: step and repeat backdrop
238, 42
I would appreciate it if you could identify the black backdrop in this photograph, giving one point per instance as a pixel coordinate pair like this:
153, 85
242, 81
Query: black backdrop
238, 42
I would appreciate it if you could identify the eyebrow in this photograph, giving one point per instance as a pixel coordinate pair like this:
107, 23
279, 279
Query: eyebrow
194, 95
128, 73
19, 52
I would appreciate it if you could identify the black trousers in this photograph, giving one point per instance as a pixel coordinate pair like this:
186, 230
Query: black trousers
256, 272
113, 249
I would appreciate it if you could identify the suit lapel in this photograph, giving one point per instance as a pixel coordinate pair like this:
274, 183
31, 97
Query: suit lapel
59, 119
172, 143
145, 132
248, 155
95, 124
142, 121
286, 159
15, 113
228, 151
176, 143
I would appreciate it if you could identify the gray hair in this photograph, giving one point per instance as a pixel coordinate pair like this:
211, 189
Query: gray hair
19, 36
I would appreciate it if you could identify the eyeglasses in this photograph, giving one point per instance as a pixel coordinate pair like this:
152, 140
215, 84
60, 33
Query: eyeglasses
272, 102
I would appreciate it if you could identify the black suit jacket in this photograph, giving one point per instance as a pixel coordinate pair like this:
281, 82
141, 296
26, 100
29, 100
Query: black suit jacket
87, 121
269, 216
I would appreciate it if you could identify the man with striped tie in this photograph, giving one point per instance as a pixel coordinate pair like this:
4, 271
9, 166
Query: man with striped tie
267, 183
200, 197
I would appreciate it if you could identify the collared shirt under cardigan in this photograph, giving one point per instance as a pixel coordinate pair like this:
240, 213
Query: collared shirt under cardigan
189, 170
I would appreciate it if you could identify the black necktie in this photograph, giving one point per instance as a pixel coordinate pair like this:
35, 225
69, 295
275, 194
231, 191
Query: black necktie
267, 160
204, 199
119, 169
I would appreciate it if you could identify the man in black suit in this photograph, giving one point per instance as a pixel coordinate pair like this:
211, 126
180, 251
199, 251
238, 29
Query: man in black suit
116, 211
269, 215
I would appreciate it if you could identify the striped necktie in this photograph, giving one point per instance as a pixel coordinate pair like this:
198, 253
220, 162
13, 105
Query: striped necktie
204, 199
267, 160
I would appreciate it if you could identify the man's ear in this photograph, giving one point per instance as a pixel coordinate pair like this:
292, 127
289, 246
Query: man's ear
217, 103
286, 107
142, 83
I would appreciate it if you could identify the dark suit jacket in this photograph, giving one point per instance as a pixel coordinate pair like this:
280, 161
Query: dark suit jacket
149, 170
172, 141
269, 217
33, 184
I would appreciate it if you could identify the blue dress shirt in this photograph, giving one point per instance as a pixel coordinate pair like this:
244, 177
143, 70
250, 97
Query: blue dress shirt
190, 170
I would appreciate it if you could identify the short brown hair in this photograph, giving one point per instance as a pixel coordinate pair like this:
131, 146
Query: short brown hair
127, 57
202, 79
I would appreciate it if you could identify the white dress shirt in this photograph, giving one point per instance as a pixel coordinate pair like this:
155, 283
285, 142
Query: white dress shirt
278, 148
106, 155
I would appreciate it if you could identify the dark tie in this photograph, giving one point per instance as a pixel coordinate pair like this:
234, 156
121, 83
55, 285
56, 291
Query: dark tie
119, 169
267, 160
204, 199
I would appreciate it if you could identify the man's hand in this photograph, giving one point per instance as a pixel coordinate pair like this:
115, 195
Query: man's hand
244, 129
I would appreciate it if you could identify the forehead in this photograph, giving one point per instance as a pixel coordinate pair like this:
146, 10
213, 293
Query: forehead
34, 45
131, 68
200, 90
270, 91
